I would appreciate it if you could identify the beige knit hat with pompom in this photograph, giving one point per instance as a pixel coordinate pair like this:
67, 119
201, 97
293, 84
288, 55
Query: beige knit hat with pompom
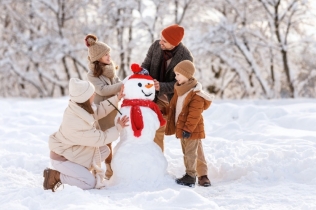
96, 49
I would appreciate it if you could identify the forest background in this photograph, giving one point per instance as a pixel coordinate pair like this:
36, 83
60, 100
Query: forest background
243, 49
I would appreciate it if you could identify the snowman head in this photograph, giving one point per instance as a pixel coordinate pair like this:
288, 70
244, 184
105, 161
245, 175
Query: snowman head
140, 85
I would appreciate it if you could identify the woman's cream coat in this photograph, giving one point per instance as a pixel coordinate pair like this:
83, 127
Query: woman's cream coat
78, 138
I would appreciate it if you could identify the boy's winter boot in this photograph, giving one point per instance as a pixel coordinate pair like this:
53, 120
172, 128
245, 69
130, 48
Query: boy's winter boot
108, 172
204, 181
186, 180
51, 179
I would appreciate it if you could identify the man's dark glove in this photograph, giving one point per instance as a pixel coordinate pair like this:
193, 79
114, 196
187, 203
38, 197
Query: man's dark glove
186, 134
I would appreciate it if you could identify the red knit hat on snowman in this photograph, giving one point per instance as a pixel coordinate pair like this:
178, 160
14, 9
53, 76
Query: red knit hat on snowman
139, 72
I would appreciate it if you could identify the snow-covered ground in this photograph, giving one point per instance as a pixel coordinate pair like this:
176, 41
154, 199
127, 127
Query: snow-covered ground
261, 155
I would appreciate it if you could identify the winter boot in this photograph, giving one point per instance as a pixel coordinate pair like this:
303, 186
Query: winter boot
108, 172
204, 181
51, 179
186, 180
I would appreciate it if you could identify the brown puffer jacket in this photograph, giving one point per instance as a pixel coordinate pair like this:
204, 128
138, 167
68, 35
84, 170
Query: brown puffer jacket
190, 118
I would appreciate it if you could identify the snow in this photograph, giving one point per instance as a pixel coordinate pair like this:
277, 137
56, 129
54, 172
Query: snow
260, 154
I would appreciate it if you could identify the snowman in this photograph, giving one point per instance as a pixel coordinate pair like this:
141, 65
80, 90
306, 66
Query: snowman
138, 160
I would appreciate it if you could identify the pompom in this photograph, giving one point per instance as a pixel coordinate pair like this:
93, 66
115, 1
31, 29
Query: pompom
90, 40
136, 68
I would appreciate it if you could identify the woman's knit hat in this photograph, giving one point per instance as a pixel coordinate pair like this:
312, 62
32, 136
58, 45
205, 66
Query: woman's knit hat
79, 90
173, 34
186, 68
96, 49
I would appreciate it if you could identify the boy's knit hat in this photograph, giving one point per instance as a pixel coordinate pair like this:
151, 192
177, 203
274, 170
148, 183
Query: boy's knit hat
79, 90
96, 49
173, 34
186, 68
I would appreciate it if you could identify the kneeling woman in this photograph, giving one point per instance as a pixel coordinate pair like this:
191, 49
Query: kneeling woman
79, 146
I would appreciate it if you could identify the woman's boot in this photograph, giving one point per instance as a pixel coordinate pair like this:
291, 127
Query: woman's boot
51, 179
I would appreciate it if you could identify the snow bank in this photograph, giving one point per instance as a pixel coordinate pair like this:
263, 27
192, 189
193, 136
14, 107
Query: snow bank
260, 154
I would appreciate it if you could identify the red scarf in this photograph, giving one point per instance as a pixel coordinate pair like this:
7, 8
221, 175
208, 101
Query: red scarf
136, 113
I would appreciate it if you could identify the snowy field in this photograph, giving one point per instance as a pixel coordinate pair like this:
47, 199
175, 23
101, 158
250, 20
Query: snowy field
261, 155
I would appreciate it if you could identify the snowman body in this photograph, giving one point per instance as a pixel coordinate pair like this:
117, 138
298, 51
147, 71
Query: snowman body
138, 160
151, 124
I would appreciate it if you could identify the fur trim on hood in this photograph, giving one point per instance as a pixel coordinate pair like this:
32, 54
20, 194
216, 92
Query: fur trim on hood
198, 88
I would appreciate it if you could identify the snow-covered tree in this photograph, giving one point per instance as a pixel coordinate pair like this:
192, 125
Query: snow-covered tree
241, 48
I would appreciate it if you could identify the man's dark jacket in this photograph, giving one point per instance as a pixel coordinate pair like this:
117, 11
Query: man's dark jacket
153, 61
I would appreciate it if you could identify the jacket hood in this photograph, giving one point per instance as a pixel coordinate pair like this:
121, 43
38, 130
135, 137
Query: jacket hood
199, 91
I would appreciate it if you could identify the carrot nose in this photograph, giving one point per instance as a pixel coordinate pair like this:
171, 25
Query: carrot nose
149, 85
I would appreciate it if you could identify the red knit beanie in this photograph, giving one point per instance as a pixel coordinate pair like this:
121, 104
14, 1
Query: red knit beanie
173, 34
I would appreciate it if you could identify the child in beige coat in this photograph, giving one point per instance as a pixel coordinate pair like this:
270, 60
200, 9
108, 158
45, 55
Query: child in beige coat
102, 75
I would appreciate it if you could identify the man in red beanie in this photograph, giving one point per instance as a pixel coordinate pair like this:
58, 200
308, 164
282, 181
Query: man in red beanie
162, 56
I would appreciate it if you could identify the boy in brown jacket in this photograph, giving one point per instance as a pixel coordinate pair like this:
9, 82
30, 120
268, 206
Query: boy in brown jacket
185, 120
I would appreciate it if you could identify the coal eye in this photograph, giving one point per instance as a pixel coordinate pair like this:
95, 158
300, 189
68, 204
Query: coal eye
140, 84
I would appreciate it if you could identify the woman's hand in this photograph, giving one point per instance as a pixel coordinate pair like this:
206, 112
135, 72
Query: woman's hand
121, 94
123, 121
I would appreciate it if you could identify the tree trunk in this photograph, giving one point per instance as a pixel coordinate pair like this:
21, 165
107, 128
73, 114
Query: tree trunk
283, 51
